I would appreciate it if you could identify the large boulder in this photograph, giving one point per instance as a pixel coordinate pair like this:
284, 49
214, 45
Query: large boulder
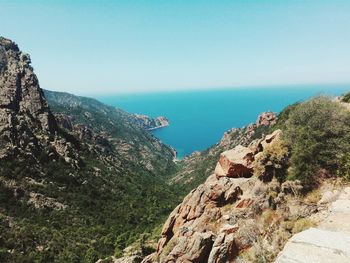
189, 246
235, 163
191, 229
238, 162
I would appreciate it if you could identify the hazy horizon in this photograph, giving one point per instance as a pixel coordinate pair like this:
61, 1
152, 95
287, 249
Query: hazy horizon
98, 93
107, 47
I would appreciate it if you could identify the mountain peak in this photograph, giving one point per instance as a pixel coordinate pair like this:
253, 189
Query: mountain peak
24, 112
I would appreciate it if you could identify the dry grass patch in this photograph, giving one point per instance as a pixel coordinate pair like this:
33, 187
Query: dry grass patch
303, 224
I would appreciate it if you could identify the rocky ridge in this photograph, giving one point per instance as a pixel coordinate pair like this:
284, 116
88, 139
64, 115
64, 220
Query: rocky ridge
73, 101
109, 130
25, 118
196, 167
225, 218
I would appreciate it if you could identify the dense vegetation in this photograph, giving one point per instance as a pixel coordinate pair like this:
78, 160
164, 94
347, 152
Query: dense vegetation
113, 197
103, 214
317, 132
53, 211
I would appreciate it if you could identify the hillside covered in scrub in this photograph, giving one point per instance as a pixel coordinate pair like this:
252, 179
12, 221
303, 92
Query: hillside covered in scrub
78, 180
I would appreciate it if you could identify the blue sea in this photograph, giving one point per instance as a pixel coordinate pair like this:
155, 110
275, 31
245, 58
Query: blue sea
198, 119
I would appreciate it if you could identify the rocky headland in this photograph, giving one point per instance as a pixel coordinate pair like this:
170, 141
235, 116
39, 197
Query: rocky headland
152, 123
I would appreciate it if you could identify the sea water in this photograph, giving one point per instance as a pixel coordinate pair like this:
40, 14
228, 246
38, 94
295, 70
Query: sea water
199, 118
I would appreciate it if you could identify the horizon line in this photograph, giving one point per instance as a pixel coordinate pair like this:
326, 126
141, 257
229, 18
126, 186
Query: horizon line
211, 88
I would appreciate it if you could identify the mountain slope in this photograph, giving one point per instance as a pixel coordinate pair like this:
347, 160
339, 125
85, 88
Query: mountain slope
77, 184
197, 167
262, 191
123, 132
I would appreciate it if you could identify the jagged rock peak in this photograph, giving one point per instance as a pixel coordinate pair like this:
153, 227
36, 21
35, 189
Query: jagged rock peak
23, 108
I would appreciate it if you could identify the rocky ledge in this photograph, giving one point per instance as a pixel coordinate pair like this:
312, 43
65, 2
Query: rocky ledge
225, 217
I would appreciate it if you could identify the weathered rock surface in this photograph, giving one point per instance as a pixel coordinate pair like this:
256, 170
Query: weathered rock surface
219, 219
238, 162
317, 245
329, 242
24, 114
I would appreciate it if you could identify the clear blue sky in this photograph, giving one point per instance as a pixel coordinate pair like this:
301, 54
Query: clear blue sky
88, 47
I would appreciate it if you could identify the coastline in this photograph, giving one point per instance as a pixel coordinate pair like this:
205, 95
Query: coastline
158, 127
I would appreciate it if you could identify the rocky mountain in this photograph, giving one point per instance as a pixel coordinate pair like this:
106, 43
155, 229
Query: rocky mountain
94, 121
263, 185
63, 99
254, 201
79, 180
219, 218
24, 113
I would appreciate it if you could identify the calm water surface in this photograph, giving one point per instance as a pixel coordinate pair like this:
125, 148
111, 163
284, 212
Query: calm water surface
199, 118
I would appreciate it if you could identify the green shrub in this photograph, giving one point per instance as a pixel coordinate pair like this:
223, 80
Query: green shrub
344, 166
346, 97
318, 132
272, 161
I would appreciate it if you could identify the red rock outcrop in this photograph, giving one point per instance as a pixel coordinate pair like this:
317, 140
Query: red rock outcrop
216, 220
266, 119
235, 163
238, 162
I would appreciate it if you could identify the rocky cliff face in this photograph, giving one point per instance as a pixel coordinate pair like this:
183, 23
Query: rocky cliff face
25, 118
233, 215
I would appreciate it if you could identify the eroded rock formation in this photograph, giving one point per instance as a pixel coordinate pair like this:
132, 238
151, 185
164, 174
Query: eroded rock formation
238, 162
217, 220
25, 118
